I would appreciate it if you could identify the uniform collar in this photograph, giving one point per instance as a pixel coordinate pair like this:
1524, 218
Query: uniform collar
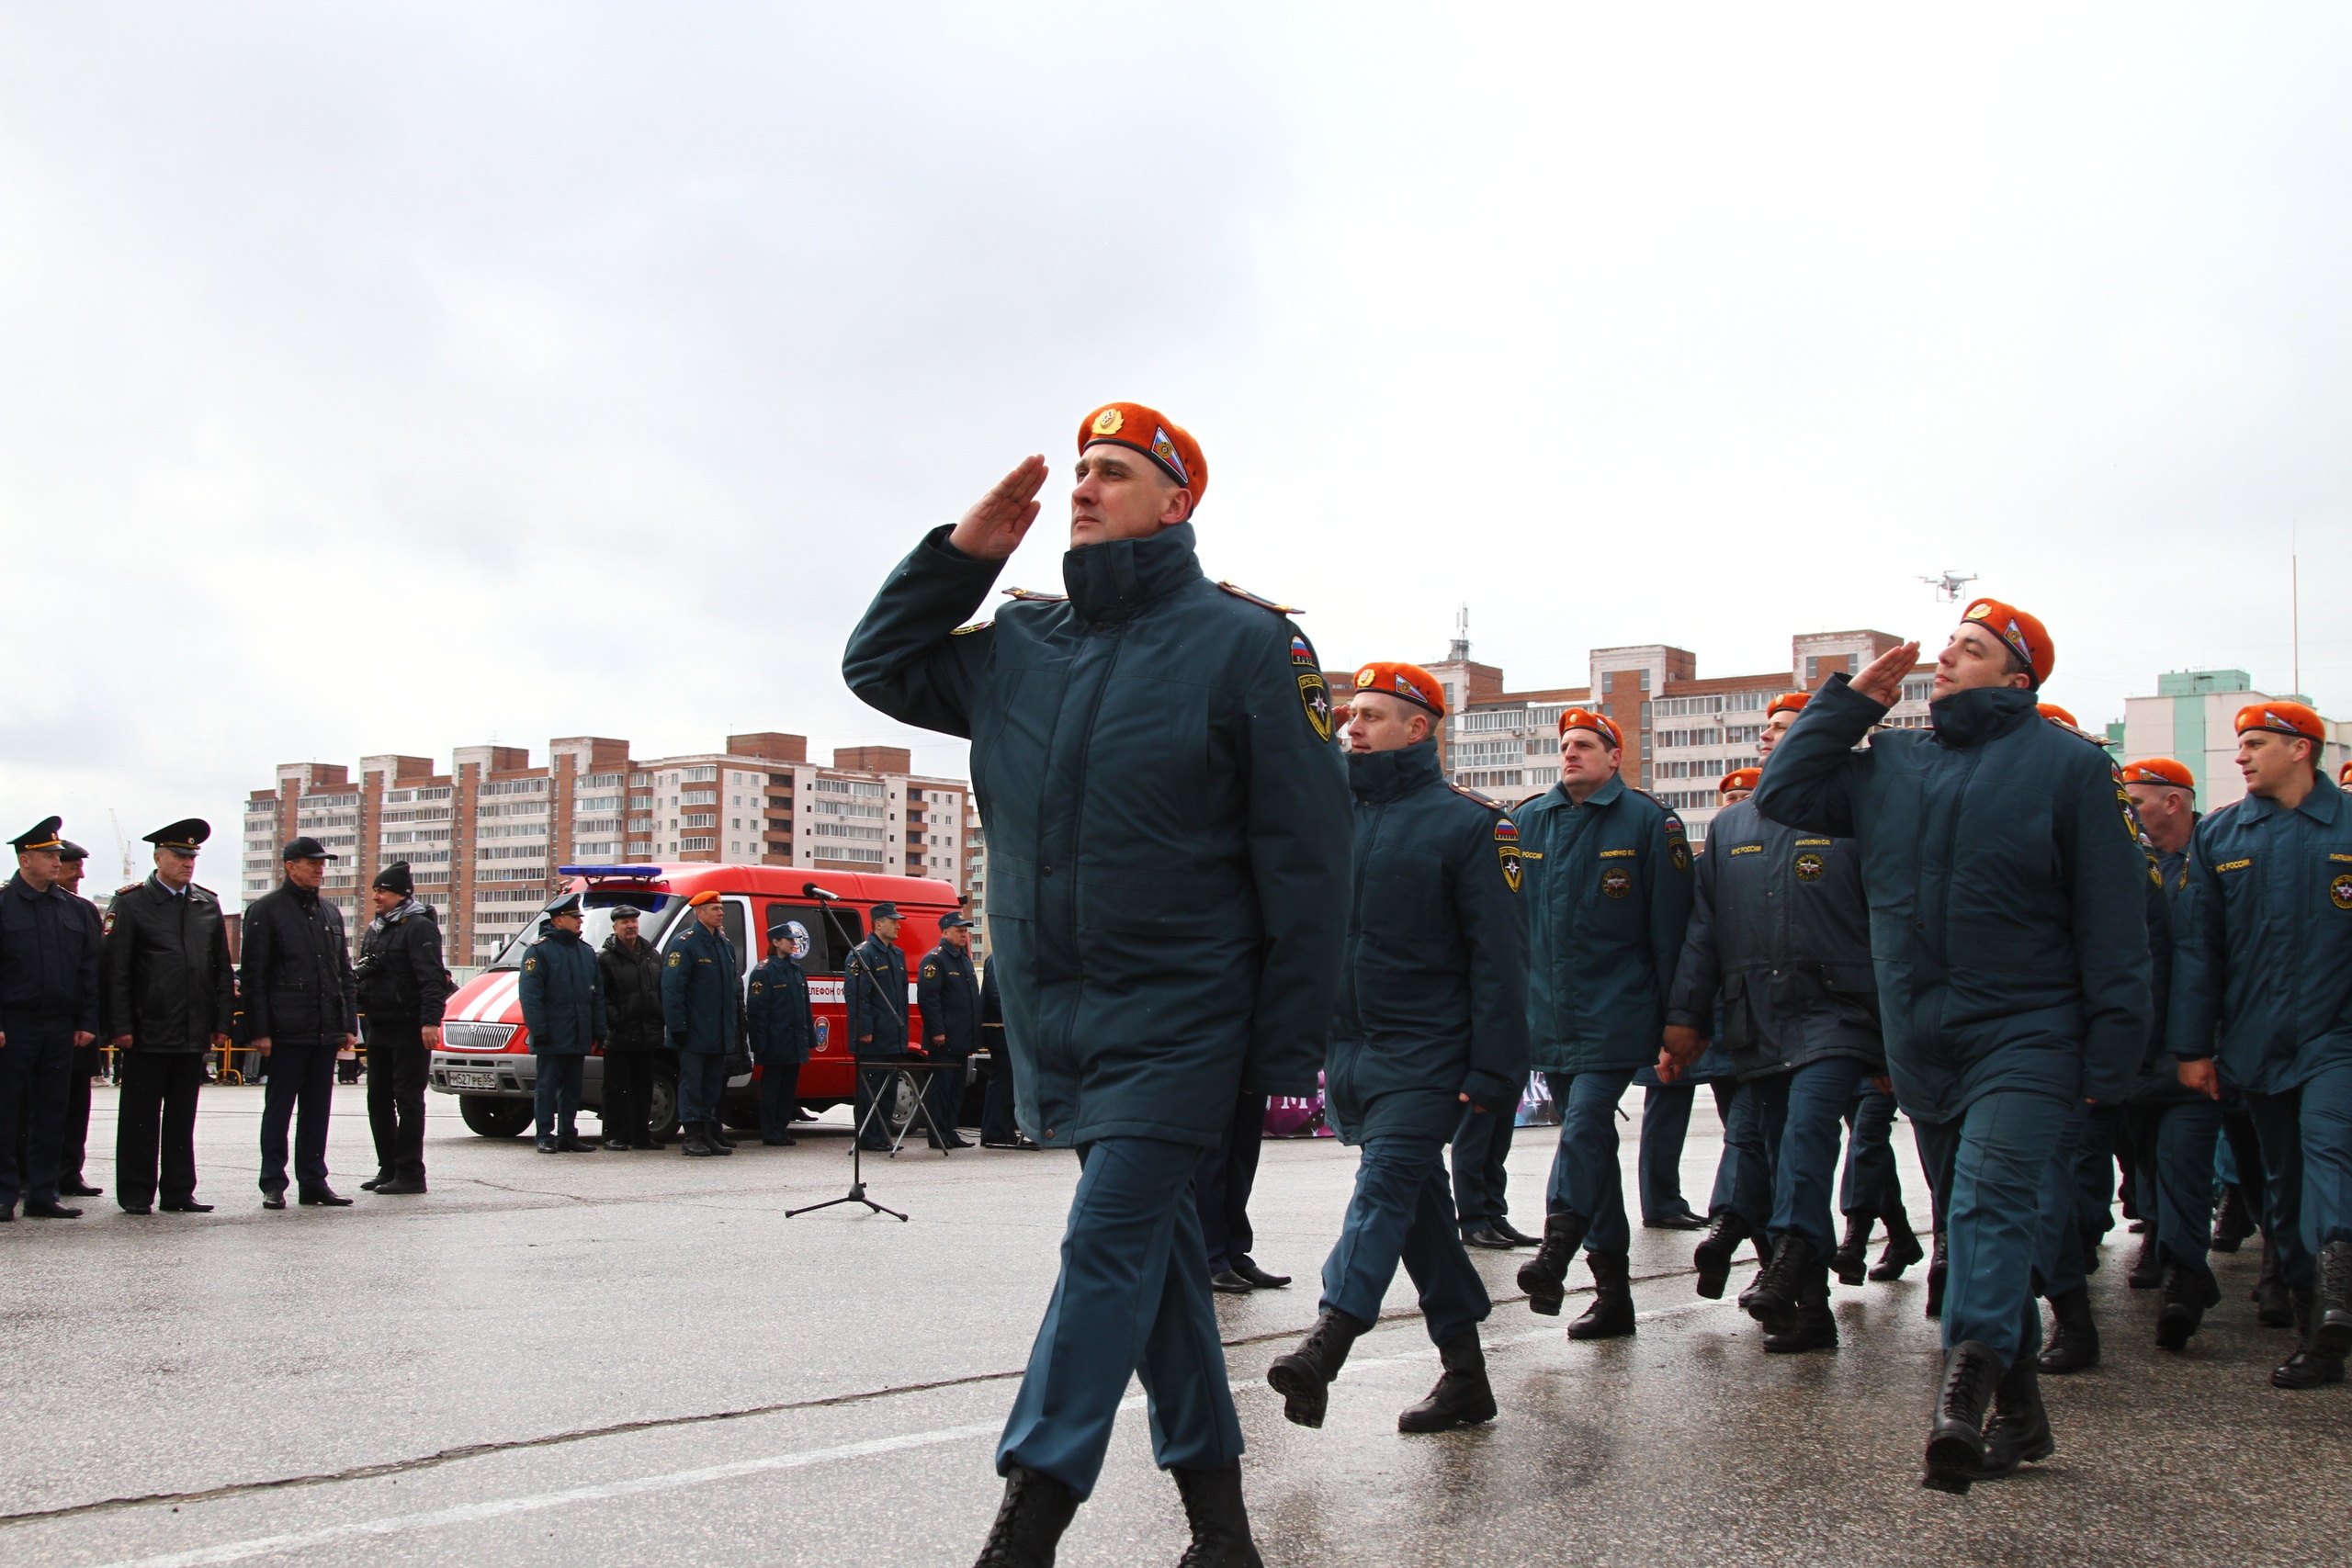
1120, 579
2320, 805
1979, 714
1606, 795
1385, 775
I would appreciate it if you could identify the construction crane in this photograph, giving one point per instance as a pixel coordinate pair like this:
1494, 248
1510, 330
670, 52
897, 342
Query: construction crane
122, 845
1948, 584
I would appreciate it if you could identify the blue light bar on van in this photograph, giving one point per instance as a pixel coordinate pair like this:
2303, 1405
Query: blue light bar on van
613, 873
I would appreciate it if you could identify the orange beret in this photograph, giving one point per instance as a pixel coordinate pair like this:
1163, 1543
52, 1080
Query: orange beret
2158, 771
699, 900
1409, 682
2344, 775
1742, 778
1787, 701
1598, 723
2026, 636
2053, 711
1155, 436
2283, 719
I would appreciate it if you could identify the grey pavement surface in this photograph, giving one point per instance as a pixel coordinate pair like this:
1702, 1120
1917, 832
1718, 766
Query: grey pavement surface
635, 1357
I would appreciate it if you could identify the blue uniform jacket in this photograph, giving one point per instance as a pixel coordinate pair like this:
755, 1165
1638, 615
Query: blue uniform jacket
2159, 1080
1609, 896
702, 991
1166, 821
2262, 976
562, 994
48, 960
1433, 994
947, 990
782, 1029
1779, 937
874, 995
2008, 889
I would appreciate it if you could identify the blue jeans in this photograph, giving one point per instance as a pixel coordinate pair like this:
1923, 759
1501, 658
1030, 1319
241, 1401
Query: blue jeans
1802, 1114
1401, 1213
1870, 1185
300, 1077
2011, 1194
556, 1094
1586, 1178
702, 1080
1132, 1298
1744, 1175
2307, 1153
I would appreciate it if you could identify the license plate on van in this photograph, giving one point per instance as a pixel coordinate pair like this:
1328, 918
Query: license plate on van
472, 1080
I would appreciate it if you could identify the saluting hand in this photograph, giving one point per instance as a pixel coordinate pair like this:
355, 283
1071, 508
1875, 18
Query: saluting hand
994, 527
1881, 678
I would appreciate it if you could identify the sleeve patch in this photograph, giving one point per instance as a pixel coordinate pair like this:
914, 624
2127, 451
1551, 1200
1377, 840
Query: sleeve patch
677, 958
1507, 851
1316, 698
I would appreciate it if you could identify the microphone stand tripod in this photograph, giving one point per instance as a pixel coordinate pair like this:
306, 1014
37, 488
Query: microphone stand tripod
856, 1193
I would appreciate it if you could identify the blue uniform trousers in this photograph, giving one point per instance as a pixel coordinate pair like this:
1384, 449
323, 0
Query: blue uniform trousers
34, 1068
1481, 1145
1666, 1122
1801, 1115
1401, 1213
1586, 1177
702, 1080
1744, 1175
1223, 1181
1133, 1297
2174, 1145
779, 1099
943, 1092
1871, 1184
555, 1094
302, 1078
2307, 1154
1938, 1150
2011, 1199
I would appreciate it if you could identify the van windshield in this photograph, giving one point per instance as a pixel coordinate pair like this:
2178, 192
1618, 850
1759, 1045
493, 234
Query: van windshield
656, 911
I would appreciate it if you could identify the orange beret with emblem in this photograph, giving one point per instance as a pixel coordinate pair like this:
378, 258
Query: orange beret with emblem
1787, 701
1154, 435
699, 900
1407, 682
2158, 771
1601, 724
2282, 718
2022, 634
1742, 778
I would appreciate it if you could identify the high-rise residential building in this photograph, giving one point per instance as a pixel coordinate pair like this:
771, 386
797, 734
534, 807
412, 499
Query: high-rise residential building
483, 839
2192, 719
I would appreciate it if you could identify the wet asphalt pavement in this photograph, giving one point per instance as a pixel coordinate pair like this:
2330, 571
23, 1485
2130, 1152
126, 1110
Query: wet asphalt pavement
636, 1358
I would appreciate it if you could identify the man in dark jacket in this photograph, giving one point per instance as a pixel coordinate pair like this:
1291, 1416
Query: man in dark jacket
2262, 1004
2009, 933
782, 1027
947, 992
301, 1005
1609, 895
1432, 1017
702, 1006
873, 1002
561, 993
48, 1009
90, 1061
1167, 876
171, 996
402, 987
631, 968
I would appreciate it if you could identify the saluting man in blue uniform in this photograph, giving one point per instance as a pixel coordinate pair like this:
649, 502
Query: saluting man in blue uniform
1608, 874
1168, 863
2009, 931
2262, 1002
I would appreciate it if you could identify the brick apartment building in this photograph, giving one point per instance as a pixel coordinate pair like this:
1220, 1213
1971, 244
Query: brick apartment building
2190, 718
484, 836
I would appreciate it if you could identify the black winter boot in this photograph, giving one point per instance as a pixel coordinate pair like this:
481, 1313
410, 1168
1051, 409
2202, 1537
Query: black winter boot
1939, 1267
1903, 1249
2148, 1269
1772, 1299
1610, 1315
1461, 1397
2306, 1368
1852, 1256
2332, 1311
1545, 1276
1956, 1439
1810, 1324
2186, 1297
1713, 1257
2019, 1430
2272, 1303
2235, 1221
2074, 1338
1302, 1377
1220, 1523
1029, 1522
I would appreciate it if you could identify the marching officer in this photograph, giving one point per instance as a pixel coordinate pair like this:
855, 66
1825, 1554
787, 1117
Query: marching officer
782, 1028
171, 997
2009, 931
402, 987
90, 1061
561, 992
301, 1007
874, 994
948, 992
702, 1003
1608, 874
48, 1009
2262, 985
631, 970
1168, 871
1432, 1017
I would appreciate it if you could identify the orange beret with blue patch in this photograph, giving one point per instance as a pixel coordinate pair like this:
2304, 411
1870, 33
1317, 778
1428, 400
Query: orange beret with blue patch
2022, 634
1601, 724
2158, 771
1153, 434
1407, 682
2282, 718
1787, 701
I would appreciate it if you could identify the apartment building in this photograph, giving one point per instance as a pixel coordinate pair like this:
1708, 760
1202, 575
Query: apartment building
2192, 719
484, 836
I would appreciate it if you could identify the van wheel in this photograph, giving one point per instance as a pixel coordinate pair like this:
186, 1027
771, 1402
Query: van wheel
495, 1116
662, 1106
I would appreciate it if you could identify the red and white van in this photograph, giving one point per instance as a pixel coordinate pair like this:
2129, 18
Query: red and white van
485, 1059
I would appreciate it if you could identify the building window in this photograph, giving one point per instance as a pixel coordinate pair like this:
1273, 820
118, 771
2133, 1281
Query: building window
699, 775
691, 846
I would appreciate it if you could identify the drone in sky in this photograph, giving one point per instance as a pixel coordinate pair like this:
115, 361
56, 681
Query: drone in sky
1948, 584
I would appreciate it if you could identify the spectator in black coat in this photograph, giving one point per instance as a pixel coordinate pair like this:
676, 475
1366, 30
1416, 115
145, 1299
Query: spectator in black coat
302, 1006
402, 987
632, 967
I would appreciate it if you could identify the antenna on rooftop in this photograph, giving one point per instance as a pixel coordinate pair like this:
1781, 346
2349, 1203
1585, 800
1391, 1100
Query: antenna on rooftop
1458, 650
1948, 584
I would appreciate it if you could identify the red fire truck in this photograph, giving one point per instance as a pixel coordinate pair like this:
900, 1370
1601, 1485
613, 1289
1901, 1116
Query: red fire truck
485, 1054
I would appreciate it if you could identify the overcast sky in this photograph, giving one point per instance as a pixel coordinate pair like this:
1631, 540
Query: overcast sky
393, 377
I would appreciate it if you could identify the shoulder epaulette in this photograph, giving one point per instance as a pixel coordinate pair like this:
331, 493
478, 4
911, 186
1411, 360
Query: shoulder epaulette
203, 889
1466, 792
975, 627
129, 887
1033, 596
1241, 592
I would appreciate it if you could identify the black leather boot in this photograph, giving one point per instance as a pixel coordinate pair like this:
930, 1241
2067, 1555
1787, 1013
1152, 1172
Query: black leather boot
2148, 1269
2234, 1221
1610, 1315
1938, 1267
714, 1133
1956, 1440
1903, 1249
1545, 1276
2306, 1368
2019, 1430
695, 1145
1713, 1257
1461, 1397
2074, 1336
1220, 1523
1852, 1257
1772, 1299
1029, 1522
1302, 1377
1811, 1325
2182, 1308
2332, 1311
2272, 1303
